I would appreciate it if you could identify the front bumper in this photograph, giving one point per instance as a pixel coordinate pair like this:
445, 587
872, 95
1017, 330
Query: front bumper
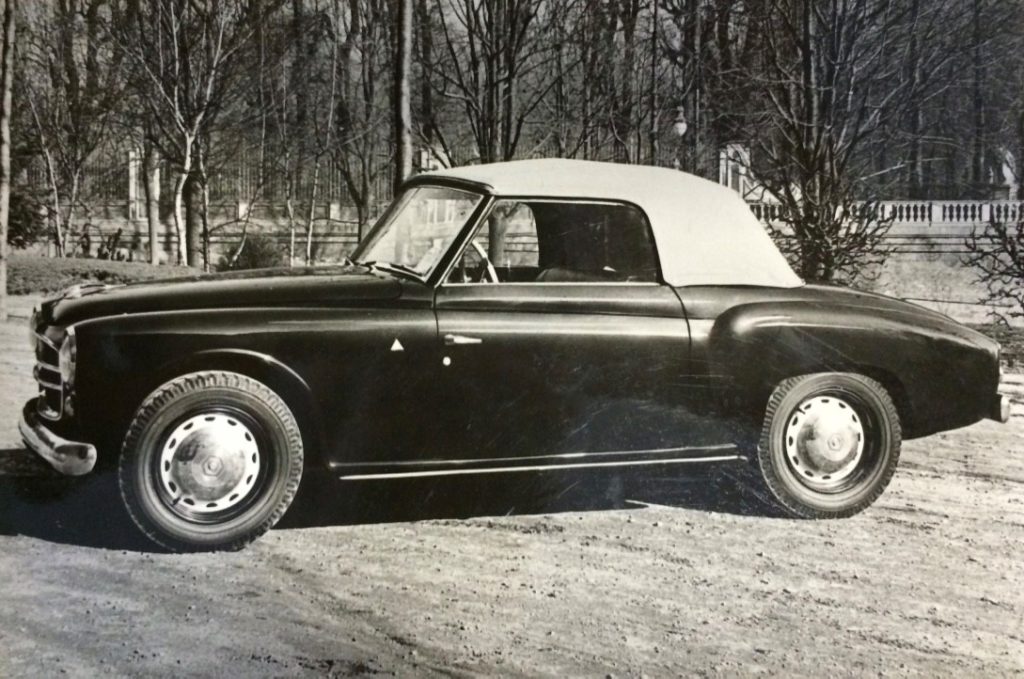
67, 457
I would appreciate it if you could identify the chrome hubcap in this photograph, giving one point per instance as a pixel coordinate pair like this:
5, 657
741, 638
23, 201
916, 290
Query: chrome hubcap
209, 463
824, 442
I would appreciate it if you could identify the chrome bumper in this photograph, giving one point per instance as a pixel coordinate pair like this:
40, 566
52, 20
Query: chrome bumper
1000, 408
68, 457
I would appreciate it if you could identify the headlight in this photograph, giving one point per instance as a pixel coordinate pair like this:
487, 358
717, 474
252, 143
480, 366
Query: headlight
68, 357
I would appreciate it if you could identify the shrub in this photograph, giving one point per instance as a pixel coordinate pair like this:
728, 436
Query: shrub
27, 220
258, 251
997, 255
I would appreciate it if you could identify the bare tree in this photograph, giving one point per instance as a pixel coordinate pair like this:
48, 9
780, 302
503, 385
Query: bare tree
403, 93
361, 154
831, 82
496, 66
6, 104
187, 54
996, 252
71, 80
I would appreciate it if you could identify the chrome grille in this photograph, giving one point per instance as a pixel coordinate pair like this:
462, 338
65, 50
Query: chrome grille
47, 374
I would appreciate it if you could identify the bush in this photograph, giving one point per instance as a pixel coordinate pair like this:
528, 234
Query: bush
27, 221
258, 251
40, 275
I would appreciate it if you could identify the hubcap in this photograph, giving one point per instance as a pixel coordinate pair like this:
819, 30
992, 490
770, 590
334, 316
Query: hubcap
209, 463
824, 442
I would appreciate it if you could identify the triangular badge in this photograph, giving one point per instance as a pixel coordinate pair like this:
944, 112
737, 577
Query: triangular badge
397, 346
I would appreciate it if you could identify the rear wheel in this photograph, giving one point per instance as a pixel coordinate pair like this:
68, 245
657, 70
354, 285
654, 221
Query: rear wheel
211, 461
829, 445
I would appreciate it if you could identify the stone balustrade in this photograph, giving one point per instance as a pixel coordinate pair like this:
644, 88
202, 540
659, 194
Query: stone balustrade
928, 213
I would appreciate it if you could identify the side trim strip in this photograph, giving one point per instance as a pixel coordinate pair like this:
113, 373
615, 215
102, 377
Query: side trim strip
722, 447
537, 468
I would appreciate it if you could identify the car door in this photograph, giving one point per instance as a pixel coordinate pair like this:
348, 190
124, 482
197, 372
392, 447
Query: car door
557, 337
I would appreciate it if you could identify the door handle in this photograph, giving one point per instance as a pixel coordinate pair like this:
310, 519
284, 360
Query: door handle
458, 340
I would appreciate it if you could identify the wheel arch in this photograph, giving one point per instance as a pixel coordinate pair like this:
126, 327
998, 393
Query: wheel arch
889, 381
897, 391
264, 368
760, 346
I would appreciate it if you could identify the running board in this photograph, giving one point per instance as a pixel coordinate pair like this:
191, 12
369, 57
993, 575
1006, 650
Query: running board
540, 468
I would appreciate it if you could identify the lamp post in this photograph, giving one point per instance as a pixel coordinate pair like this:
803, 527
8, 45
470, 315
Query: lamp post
679, 127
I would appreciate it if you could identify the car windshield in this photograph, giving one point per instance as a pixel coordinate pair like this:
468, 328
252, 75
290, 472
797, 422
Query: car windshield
418, 229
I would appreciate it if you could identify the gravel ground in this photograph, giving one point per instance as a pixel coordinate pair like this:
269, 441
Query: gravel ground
604, 575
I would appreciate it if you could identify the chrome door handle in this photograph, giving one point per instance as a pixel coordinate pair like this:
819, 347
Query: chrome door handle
456, 340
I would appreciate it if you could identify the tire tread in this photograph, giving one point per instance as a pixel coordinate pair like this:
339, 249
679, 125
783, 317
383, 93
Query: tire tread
198, 381
776, 487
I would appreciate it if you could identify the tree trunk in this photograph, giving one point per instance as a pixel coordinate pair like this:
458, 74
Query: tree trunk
1020, 156
58, 231
916, 169
6, 83
426, 42
151, 170
179, 202
977, 105
311, 215
204, 207
290, 209
403, 105
69, 218
193, 239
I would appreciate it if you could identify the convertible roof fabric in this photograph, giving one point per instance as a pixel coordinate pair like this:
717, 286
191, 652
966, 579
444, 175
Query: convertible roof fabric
706, 234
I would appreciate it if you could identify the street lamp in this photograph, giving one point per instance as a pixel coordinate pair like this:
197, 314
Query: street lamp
679, 125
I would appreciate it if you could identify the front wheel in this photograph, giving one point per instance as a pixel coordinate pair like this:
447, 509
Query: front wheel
211, 461
829, 445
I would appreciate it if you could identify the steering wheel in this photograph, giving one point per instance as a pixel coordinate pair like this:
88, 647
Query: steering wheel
485, 270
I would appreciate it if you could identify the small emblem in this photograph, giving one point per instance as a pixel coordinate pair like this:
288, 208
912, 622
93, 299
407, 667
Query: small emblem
397, 346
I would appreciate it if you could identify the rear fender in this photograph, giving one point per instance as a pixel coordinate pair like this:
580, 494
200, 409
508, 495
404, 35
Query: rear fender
931, 375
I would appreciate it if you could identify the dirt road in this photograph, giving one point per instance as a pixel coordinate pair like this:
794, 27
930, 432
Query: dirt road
614, 575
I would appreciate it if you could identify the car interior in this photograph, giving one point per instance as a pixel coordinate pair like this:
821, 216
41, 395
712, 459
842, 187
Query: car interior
559, 242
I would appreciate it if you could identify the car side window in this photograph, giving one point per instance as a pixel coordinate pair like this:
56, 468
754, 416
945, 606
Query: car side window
505, 247
547, 241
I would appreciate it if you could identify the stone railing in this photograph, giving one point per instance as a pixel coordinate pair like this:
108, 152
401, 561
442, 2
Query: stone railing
928, 227
906, 214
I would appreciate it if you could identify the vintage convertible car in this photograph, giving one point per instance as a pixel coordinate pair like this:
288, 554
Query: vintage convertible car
499, 319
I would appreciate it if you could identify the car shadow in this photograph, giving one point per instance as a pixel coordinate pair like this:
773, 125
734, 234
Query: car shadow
84, 511
330, 503
87, 511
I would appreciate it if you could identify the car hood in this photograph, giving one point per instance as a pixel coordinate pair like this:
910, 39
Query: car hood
305, 286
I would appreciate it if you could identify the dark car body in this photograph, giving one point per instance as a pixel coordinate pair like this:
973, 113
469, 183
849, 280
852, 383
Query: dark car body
395, 375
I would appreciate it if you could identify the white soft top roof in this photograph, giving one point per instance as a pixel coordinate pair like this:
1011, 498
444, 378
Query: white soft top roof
706, 234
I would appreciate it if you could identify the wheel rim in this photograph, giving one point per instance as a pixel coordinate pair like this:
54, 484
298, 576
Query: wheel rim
209, 466
825, 443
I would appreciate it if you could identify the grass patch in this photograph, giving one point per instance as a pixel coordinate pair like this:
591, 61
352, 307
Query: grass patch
27, 275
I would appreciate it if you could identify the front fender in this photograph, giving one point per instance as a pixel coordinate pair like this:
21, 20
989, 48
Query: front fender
121, 364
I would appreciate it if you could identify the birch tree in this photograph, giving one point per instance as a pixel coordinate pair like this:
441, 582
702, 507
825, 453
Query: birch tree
6, 105
72, 83
188, 55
